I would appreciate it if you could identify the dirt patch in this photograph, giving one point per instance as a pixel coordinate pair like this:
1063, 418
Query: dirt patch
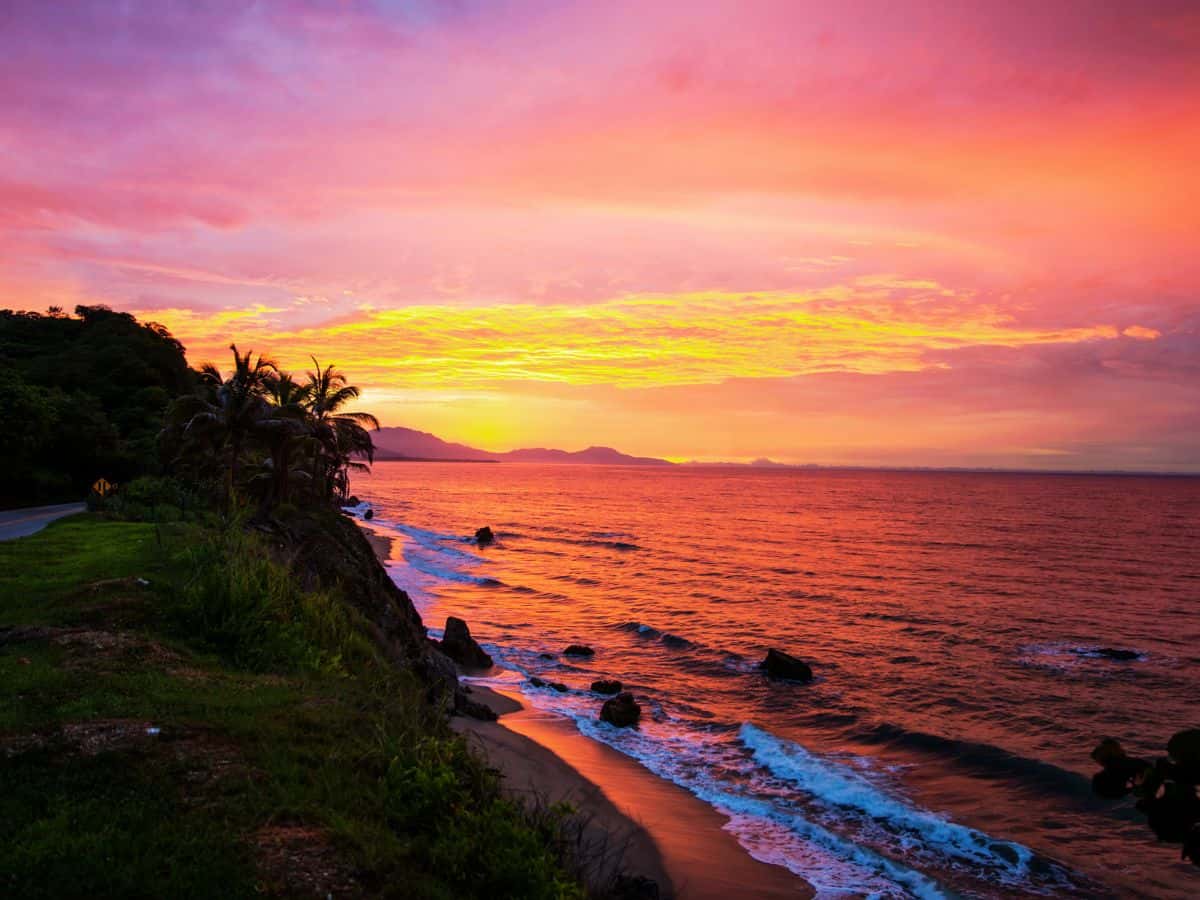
107, 735
89, 646
300, 861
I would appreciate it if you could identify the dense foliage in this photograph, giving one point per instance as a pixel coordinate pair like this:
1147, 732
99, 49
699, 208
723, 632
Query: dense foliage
1165, 788
82, 397
259, 432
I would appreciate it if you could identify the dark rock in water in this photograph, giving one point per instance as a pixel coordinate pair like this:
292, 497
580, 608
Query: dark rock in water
553, 685
635, 887
1121, 771
369, 514
352, 501
622, 711
606, 686
484, 536
579, 650
1006, 852
547, 656
778, 664
461, 647
1115, 653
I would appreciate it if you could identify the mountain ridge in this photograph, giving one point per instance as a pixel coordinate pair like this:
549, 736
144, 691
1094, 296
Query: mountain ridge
399, 443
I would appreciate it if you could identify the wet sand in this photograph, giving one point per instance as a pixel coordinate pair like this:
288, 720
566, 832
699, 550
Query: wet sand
379, 543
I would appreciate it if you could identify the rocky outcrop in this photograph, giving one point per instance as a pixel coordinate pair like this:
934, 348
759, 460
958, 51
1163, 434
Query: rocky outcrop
622, 711
330, 552
579, 650
484, 536
458, 644
607, 686
778, 664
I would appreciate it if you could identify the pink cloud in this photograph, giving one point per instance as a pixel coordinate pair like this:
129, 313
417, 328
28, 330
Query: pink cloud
1035, 160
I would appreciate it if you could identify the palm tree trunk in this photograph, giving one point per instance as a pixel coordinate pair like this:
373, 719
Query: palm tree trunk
235, 454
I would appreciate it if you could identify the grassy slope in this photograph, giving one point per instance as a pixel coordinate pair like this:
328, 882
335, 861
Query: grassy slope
292, 779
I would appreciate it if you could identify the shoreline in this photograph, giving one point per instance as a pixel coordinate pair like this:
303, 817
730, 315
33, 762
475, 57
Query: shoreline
667, 833
634, 821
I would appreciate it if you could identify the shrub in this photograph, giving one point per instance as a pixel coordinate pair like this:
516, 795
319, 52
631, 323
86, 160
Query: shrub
151, 499
252, 610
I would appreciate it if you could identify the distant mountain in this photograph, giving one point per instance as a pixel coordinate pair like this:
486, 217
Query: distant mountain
408, 443
596, 455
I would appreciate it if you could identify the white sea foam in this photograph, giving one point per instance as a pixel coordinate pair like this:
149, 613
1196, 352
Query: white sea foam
834, 783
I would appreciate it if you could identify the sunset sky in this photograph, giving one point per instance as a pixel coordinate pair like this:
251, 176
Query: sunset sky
858, 232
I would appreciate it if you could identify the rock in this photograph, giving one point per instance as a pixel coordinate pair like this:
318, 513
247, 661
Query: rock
554, 685
606, 686
778, 664
352, 501
1115, 653
461, 647
547, 656
1184, 748
484, 536
622, 711
635, 887
579, 650
465, 706
369, 514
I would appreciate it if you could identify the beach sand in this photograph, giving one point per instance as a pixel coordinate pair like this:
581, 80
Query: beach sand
634, 820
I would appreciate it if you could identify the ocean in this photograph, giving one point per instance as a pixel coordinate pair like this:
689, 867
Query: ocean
955, 622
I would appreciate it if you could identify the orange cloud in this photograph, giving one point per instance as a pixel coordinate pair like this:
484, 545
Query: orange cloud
635, 342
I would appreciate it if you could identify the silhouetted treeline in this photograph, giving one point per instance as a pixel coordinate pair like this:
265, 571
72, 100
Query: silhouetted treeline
82, 397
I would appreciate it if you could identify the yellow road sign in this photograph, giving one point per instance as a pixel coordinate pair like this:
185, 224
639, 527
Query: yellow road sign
103, 487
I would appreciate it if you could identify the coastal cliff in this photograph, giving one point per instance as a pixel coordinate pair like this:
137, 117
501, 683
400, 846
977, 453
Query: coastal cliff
198, 709
329, 552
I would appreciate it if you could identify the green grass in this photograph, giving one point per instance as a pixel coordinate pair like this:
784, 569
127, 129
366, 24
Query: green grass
272, 709
38, 572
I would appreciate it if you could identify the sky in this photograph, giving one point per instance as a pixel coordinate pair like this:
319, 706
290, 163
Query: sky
869, 233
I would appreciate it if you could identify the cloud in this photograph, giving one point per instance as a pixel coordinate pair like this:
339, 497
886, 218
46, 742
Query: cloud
968, 213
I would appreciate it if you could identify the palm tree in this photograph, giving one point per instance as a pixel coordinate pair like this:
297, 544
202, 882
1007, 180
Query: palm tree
342, 434
285, 422
230, 407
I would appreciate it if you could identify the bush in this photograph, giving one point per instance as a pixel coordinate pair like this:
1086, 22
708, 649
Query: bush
151, 499
476, 841
252, 610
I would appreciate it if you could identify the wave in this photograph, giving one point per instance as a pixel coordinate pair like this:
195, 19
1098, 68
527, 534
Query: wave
673, 641
432, 567
437, 542
984, 759
1086, 651
769, 831
585, 542
838, 785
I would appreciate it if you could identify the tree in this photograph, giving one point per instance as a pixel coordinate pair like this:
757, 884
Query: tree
341, 434
228, 408
282, 430
104, 381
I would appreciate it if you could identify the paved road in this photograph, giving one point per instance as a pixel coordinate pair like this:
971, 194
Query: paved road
15, 523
